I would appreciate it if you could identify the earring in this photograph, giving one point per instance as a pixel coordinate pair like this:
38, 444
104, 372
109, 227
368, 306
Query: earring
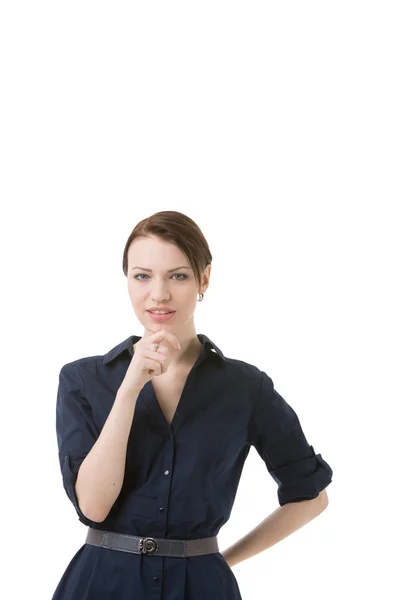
201, 296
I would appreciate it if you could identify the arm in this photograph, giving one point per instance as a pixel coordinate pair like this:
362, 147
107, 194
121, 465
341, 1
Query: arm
301, 474
92, 460
101, 474
282, 522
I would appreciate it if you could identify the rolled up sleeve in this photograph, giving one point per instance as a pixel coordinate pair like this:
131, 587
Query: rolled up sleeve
277, 435
75, 428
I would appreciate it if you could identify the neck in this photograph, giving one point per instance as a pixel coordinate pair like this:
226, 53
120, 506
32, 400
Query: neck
190, 349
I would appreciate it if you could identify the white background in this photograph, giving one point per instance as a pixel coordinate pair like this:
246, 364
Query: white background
275, 126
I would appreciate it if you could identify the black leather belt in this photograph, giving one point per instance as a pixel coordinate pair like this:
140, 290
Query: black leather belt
151, 546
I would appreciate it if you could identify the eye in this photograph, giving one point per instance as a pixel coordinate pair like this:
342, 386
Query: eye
175, 274
137, 276
181, 275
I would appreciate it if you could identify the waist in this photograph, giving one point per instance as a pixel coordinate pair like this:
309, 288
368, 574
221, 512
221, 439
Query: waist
151, 546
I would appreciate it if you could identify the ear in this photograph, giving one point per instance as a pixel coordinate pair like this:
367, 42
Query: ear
205, 280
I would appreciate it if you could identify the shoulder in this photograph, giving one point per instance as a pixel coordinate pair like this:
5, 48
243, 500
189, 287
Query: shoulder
80, 364
244, 372
73, 373
98, 361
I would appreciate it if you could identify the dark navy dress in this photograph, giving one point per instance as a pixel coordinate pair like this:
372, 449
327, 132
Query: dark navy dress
180, 480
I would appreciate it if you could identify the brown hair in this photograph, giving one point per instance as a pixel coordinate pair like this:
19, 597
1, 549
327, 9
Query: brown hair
179, 229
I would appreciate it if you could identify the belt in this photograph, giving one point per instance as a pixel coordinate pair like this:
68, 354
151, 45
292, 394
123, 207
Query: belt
151, 546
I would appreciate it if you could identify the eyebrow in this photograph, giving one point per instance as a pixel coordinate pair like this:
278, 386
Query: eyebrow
169, 271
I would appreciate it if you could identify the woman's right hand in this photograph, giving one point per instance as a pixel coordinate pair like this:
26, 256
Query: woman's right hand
147, 362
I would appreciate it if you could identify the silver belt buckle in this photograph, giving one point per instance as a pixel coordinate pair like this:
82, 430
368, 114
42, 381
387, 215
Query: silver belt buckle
148, 545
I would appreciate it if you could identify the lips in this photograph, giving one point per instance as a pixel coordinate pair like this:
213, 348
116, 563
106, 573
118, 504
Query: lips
160, 318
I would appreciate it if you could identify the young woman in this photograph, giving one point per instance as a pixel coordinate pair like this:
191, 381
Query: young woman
154, 434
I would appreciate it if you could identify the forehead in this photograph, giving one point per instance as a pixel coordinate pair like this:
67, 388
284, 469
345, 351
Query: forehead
148, 251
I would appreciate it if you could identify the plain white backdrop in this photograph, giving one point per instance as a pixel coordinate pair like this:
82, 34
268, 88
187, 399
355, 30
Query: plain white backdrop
275, 126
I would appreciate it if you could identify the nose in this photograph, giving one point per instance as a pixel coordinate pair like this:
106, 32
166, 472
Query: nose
160, 293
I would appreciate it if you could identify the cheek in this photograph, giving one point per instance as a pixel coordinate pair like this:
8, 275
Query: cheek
136, 296
191, 307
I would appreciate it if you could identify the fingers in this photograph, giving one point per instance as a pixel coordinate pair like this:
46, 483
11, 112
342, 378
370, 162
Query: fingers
157, 363
162, 349
166, 335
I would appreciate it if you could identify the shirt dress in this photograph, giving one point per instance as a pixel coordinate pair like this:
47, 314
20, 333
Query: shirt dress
180, 480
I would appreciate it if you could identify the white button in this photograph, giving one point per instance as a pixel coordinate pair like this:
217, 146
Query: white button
166, 472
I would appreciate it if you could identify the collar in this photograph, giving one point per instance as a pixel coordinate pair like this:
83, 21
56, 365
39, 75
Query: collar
132, 339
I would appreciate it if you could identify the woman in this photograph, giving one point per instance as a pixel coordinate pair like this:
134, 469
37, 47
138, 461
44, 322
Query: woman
154, 434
